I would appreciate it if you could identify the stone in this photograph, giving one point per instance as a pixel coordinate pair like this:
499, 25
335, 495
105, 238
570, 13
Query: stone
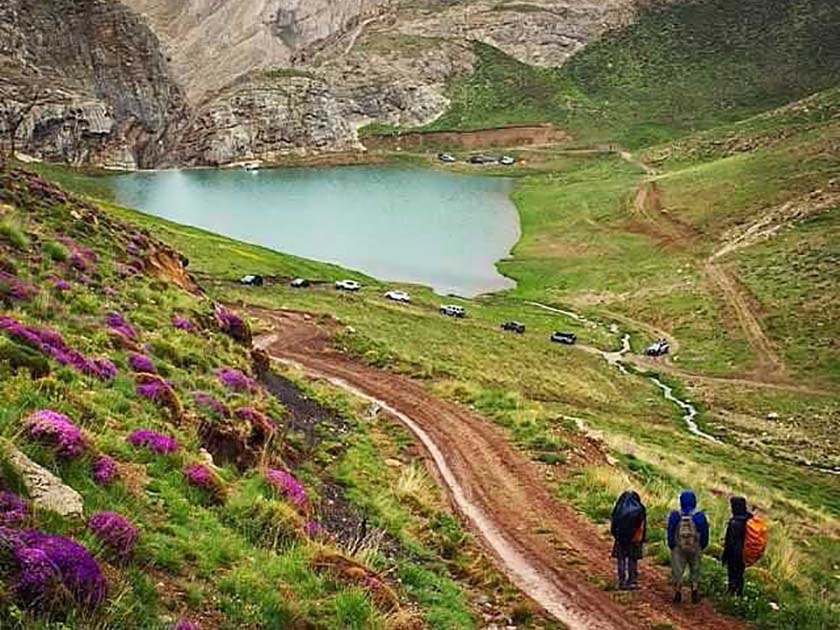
47, 491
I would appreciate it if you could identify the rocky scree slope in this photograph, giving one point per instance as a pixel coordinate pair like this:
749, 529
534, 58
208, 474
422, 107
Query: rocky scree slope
170, 82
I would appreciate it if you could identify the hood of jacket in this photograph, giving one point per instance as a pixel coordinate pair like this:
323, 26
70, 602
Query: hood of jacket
688, 501
738, 505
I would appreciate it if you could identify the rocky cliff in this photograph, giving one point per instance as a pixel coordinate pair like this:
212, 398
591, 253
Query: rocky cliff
169, 82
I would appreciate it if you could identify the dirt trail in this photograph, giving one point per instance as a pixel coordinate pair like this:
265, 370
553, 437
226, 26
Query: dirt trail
548, 550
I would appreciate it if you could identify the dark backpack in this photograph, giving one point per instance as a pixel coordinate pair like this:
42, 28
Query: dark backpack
628, 517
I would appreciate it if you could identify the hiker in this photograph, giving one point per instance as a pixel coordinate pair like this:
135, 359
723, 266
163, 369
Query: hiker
628, 526
733, 546
688, 536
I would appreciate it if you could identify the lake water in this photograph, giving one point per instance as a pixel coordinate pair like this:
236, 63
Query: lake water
393, 223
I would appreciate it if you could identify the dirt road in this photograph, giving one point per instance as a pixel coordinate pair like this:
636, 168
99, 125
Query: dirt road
548, 550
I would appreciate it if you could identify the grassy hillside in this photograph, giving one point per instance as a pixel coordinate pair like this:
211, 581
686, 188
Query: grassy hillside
691, 66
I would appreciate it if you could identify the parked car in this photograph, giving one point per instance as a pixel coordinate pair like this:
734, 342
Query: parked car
251, 280
658, 348
564, 337
516, 327
453, 310
299, 283
447, 157
347, 285
507, 160
483, 159
398, 296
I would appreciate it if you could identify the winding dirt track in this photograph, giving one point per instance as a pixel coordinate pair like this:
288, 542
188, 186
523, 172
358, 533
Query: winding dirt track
548, 550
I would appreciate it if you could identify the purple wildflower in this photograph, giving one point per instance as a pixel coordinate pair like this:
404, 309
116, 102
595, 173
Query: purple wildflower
141, 363
312, 528
235, 379
104, 470
49, 566
115, 531
109, 292
101, 368
155, 388
13, 509
16, 289
258, 420
199, 475
154, 441
233, 325
182, 323
216, 406
286, 483
60, 284
78, 262
120, 325
56, 428
186, 624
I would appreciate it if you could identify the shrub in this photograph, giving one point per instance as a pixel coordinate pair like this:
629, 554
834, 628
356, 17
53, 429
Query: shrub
204, 399
104, 470
201, 476
159, 391
13, 509
114, 531
287, 484
141, 363
120, 325
182, 323
57, 429
56, 251
236, 380
60, 284
15, 288
13, 234
154, 441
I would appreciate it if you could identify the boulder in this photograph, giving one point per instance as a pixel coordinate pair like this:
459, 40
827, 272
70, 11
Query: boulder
47, 491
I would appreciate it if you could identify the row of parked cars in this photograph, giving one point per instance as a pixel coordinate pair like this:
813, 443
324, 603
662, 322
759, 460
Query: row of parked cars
480, 159
658, 348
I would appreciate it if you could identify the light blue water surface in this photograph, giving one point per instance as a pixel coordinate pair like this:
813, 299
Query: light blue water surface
403, 224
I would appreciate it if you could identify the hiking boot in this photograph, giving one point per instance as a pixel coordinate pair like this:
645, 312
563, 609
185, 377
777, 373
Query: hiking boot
695, 597
678, 597
633, 586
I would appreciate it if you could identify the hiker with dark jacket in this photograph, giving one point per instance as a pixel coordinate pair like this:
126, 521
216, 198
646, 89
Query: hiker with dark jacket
688, 536
628, 527
733, 545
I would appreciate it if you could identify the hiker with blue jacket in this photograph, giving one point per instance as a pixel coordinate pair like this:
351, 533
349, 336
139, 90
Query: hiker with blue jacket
628, 526
688, 536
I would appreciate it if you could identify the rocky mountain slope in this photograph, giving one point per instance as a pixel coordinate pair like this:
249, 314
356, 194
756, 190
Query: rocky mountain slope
162, 82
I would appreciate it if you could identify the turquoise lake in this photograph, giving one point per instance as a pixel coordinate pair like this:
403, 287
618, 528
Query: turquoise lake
421, 226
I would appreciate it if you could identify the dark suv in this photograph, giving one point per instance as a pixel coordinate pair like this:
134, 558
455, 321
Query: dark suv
516, 327
564, 337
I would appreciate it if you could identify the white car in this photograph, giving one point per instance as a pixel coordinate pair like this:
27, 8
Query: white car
347, 285
506, 160
453, 310
398, 296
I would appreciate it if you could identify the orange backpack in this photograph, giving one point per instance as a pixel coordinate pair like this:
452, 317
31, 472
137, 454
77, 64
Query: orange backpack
755, 540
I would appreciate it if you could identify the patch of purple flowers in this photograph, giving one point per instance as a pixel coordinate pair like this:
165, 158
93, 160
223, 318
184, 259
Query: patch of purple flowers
50, 566
258, 420
236, 380
13, 509
104, 470
52, 344
216, 406
182, 323
154, 441
312, 529
15, 288
57, 429
186, 624
233, 325
287, 484
155, 388
60, 284
120, 325
115, 531
141, 363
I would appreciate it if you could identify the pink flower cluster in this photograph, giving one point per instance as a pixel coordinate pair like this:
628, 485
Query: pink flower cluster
60, 284
258, 420
154, 441
57, 429
236, 380
81, 258
186, 624
312, 529
141, 363
104, 470
15, 288
216, 406
182, 323
286, 483
232, 324
52, 344
49, 568
154, 388
115, 531
13, 509
120, 325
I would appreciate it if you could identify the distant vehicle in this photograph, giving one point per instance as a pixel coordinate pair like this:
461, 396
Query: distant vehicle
347, 285
299, 283
251, 166
251, 280
516, 327
483, 159
398, 296
447, 157
658, 348
564, 337
453, 310
507, 160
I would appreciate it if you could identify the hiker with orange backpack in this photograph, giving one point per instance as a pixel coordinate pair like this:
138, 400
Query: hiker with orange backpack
628, 527
688, 536
744, 544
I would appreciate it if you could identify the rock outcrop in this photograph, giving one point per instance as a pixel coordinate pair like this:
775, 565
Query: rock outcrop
47, 491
